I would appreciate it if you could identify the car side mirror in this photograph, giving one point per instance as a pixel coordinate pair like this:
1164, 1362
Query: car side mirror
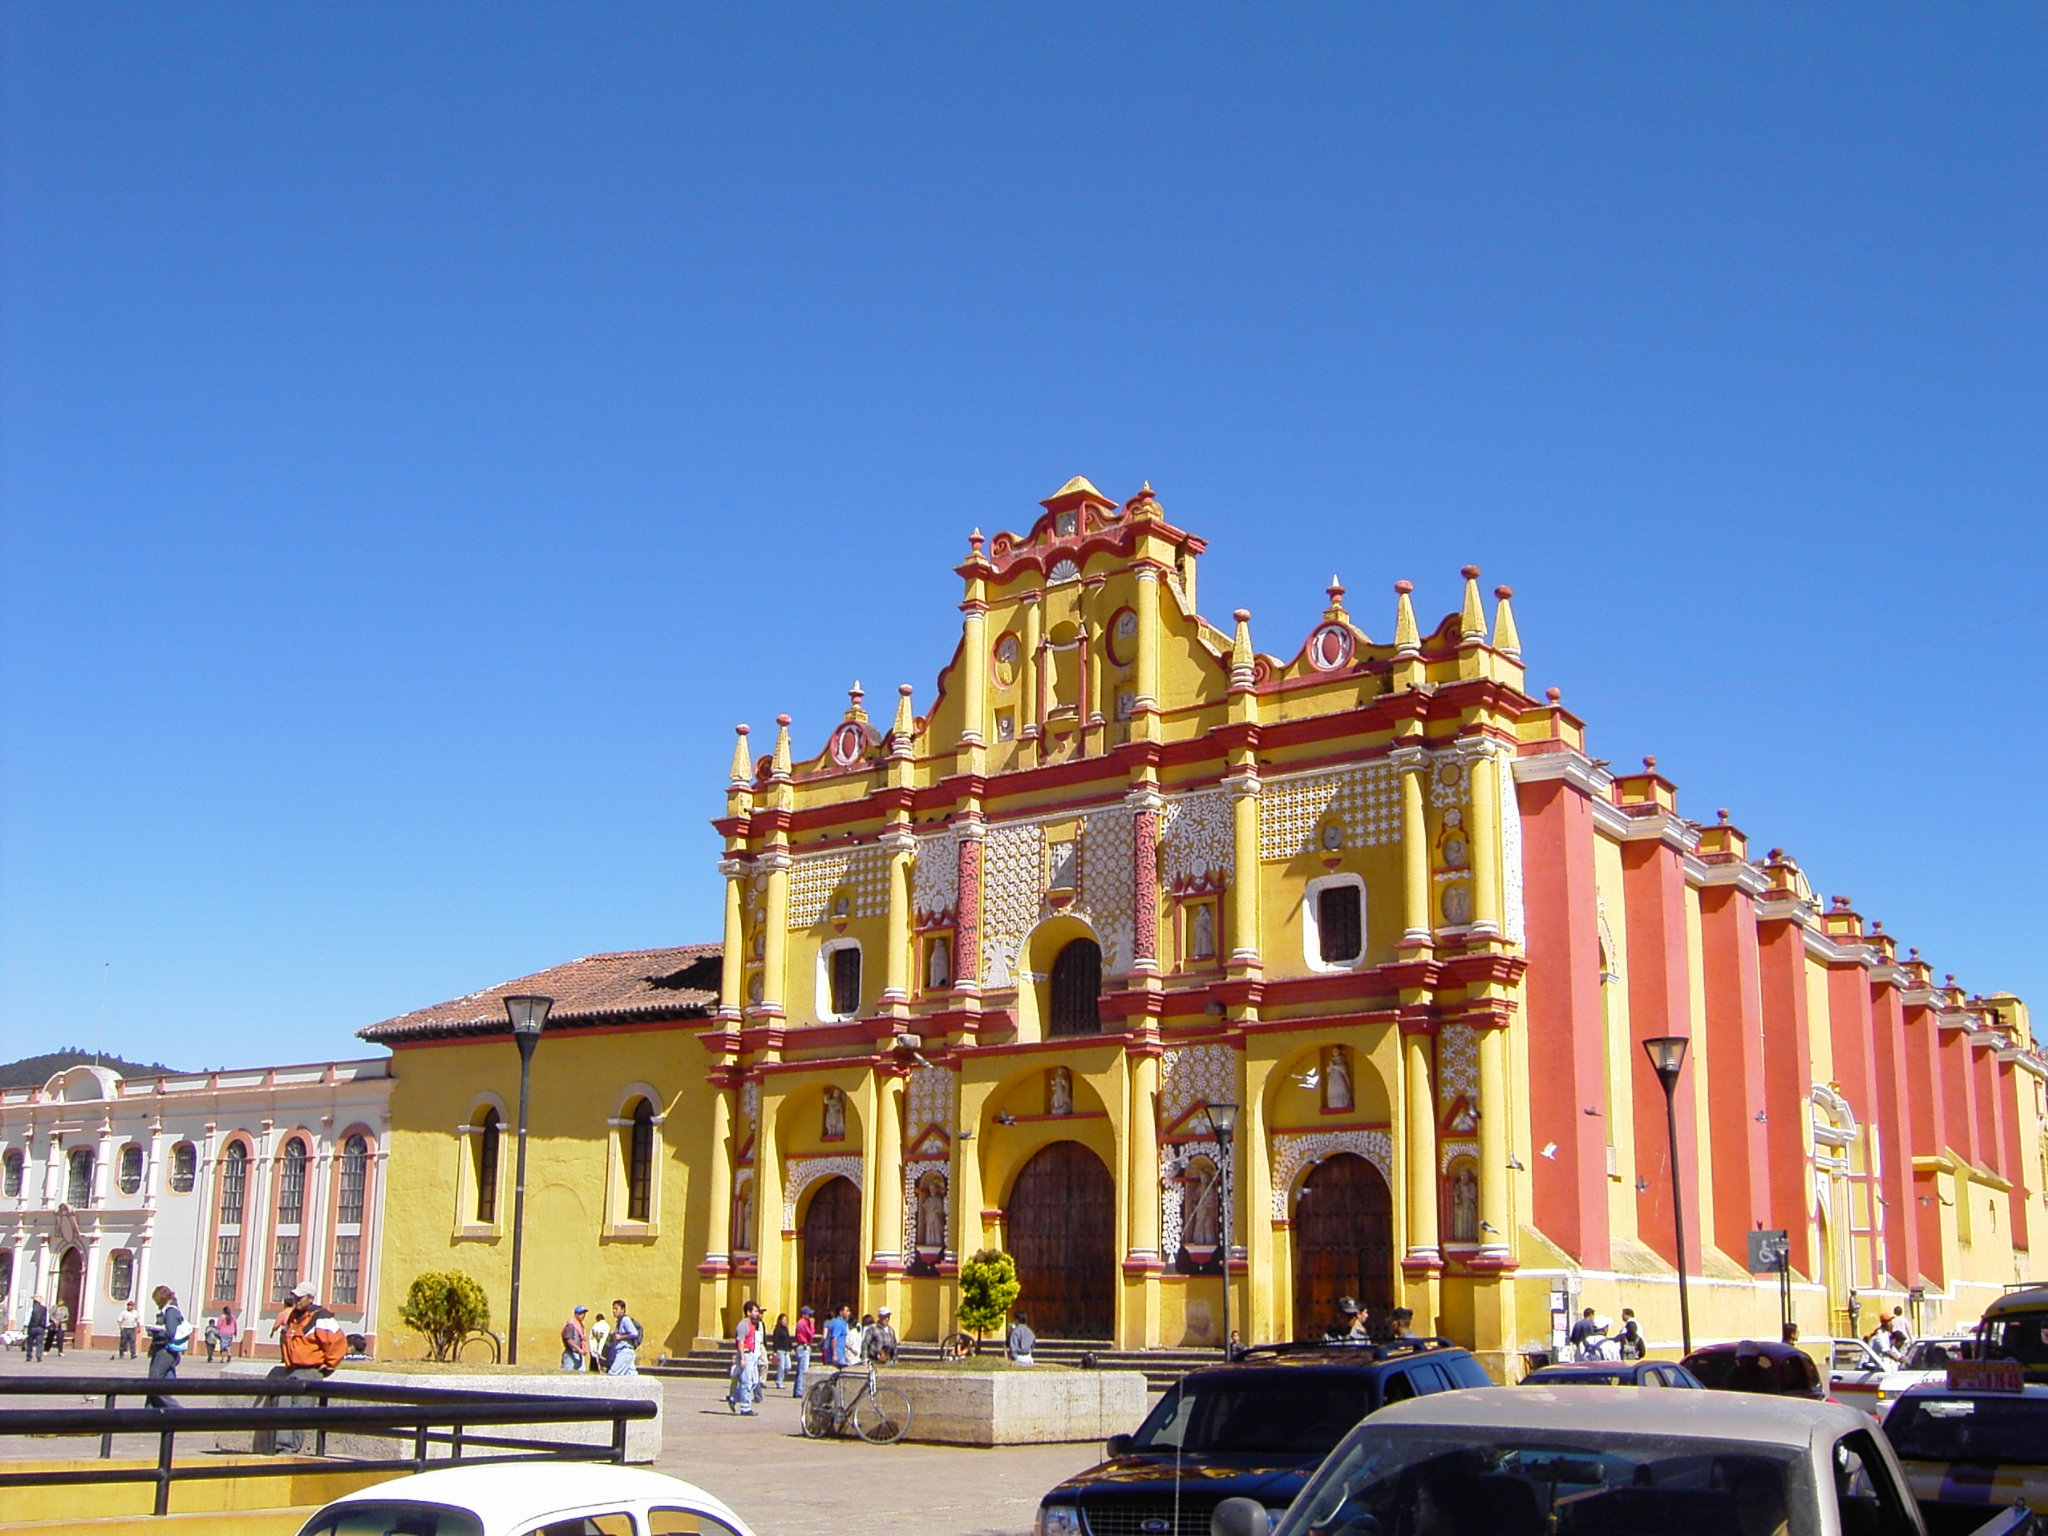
1240, 1517
1119, 1445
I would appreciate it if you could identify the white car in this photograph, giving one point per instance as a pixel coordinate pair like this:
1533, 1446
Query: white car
1926, 1364
540, 1498
1856, 1374
1600, 1461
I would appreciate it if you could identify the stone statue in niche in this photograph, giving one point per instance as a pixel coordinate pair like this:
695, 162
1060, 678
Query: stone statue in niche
1458, 904
1336, 1078
1199, 1204
743, 1216
1456, 853
1464, 1204
1059, 1092
1202, 933
931, 1211
938, 966
835, 1116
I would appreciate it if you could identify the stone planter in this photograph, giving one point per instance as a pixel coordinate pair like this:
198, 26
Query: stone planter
643, 1436
1023, 1407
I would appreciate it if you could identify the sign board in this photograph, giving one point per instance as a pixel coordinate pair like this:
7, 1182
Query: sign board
1769, 1251
1986, 1376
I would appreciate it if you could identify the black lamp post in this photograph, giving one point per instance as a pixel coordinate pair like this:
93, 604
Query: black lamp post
1222, 1120
1667, 1057
528, 1015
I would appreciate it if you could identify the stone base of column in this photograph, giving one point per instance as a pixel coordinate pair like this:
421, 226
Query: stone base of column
1493, 1260
1421, 1262
1143, 1261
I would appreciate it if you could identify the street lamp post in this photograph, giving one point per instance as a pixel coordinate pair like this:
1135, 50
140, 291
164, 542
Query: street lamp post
1667, 1057
1222, 1120
528, 1015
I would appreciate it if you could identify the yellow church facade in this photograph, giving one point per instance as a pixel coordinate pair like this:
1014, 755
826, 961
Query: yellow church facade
994, 974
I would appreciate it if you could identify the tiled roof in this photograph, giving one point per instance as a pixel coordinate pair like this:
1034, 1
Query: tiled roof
634, 984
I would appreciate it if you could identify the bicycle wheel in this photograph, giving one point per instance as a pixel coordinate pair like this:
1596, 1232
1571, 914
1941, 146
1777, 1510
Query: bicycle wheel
819, 1410
958, 1346
881, 1415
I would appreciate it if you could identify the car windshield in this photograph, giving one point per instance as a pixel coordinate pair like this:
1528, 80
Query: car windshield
2013, 1429
1935, 1354
1727, 1371
1290, 1413
1582, 1379
2023, 1338
1429, 1480
396, 1517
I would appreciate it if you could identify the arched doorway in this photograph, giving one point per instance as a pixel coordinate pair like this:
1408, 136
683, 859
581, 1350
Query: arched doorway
1343, 1243
1076, 991
71, 1283
831, 1248
1062, 1222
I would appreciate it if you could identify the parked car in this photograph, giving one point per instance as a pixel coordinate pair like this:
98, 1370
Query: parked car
1855, 1373
1600, 1461
1781, 1370
540, 1498
1926, 1362
1969, 1453
1257, 1427
1612, 1373
2016, 1328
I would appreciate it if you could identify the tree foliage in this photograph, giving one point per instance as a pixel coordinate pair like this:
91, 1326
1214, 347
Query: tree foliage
446, 1307
988, 1288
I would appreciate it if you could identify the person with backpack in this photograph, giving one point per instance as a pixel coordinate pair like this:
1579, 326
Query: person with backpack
622, 1350
38, 1329
1633, 1345
310, 1345
747, 1346
169, 1336
806, 1335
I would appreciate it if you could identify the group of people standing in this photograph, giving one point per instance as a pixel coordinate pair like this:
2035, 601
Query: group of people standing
841, 1343
609, 1346
1594, 1337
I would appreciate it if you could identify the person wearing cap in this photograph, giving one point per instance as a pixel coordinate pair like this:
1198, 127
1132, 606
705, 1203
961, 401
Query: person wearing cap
806, 1335
575, 1341
310, 1344
878, 1339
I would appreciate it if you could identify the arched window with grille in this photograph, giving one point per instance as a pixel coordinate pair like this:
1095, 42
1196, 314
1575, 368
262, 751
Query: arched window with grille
184, 1168
640, 1163
233, 1184
291, 1219
121, 1274
1076, 1000
78, 1187
131, 1168
351, 1202
10, 1174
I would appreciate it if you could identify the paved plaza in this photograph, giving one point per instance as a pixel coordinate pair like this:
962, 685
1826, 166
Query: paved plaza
779, 1482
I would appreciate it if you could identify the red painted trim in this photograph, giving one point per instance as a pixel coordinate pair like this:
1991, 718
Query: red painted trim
1660, 1003
1788, 1049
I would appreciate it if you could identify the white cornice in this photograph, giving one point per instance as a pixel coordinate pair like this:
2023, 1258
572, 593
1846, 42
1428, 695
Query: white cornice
1573, 767
1745, 876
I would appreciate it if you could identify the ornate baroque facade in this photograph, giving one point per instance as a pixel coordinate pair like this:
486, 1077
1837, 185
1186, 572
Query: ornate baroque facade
984, 968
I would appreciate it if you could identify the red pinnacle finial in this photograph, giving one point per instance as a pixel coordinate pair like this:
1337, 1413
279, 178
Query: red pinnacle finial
1723, 814
1404, 587
782, 719
743, 730
1553, 694
1470, 573
1503, 593
1243, 615
1650, 763
1841, 903
906, 689
856, 692
1776, 854
1877, 925
974, 541
1913, 954
1336, 591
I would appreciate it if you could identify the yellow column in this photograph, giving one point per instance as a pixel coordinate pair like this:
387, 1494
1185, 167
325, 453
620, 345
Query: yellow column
1141, 1186
732, 975
1244, 880
1416, 925
1425, 1257
887, 1247
1145, 707
717, 1264
899, 842
973, 669
1493, 1146
1031, 708
1484, 820
774, 931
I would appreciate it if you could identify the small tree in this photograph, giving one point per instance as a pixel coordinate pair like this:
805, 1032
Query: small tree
446, 1307
988, 1287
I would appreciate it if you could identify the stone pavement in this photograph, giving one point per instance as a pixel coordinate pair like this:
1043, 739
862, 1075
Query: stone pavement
784, 1485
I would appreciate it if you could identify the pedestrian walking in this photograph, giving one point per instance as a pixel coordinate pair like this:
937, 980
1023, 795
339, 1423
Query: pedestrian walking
130, 1325
575, 1341
169, 1337
746, 1361
310, 1344
624, 1344
1022, 1340
229, 1330
838, 1338
211, 1334
806, 1336
600, 1330
60, 1326
38, 1328
784, 1344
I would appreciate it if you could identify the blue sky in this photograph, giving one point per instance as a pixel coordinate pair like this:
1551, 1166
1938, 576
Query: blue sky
424, 431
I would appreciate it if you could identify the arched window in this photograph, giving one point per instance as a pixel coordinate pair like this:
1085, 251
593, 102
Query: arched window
10, 1174
640, 1161
131, 1168
121, 1274
487, 1138
846, 980
184, 1168
6, 1276
227, 1242
78, 1190
345, 1280
291, 1215
355, 1180
1077, 990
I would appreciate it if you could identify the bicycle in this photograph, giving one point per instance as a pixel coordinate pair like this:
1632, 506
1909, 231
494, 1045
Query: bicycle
880, 1415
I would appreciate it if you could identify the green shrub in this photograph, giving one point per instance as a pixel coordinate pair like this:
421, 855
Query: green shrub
446, 1307
988, 1288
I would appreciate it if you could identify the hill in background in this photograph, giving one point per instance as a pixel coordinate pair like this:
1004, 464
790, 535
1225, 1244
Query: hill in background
33, 1071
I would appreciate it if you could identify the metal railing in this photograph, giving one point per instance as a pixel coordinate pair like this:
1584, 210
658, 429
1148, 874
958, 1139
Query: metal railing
413, 1413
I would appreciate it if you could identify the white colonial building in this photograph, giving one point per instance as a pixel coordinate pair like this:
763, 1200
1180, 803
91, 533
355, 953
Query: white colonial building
229, 1187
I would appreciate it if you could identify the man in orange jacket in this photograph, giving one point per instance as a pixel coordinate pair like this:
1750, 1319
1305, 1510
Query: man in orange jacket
311, 1344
